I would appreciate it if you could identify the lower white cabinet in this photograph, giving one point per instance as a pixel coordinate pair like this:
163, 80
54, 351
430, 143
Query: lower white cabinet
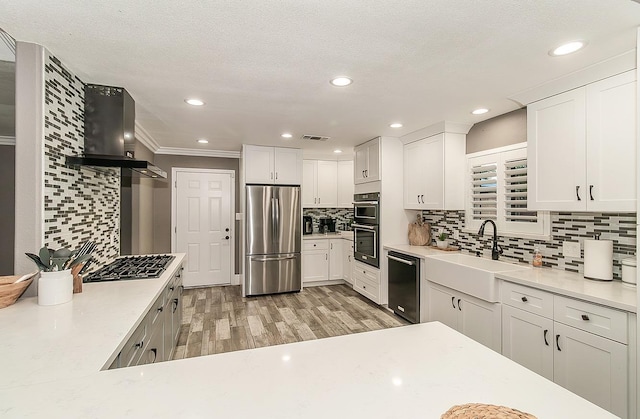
579, 345
366, 281
335, 259
475, 318
315, 260
347, 260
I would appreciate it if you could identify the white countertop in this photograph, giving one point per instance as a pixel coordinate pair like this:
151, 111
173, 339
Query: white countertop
77, 339
412, 371
616, 294
337, 235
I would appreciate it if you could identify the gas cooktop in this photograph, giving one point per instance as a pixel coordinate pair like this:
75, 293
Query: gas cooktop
131, 267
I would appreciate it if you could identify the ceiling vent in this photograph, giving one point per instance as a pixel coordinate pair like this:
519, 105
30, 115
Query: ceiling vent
314, 137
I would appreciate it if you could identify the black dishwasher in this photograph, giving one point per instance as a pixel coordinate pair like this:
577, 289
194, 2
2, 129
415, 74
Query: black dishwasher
404, 285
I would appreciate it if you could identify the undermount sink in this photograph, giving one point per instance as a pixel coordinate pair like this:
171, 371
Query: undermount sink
469, 274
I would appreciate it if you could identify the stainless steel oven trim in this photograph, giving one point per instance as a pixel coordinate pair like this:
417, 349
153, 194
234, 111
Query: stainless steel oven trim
363, 226
365, 202
375, 239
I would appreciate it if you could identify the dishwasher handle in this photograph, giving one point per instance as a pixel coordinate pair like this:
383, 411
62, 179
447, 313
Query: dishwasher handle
406, 262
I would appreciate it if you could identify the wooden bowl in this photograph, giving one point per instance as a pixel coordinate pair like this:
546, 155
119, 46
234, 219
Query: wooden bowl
10, 292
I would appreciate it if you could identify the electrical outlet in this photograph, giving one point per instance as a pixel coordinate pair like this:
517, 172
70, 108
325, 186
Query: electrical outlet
456, 235
571, 249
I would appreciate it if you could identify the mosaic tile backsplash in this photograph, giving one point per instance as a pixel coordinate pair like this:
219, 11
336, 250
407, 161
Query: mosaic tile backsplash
79, 204
618, 227
343, 217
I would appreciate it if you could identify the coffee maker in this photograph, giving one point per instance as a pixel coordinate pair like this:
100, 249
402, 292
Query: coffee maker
307, 224
327, 225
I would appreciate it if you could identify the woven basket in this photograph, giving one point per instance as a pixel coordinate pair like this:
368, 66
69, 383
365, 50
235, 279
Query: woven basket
10, 292
484, 411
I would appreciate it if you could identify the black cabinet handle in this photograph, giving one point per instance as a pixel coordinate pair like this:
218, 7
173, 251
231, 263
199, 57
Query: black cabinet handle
422, 197
558, 342
524, 299
459, 306
154, 351
418, 199
585, 317
160, 309
591, 192
175, 305
545, 337
172, 288
139, 344
577, 193
452, 302
226, 229
226, 237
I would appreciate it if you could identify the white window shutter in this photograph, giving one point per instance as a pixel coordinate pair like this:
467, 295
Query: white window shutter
482, 192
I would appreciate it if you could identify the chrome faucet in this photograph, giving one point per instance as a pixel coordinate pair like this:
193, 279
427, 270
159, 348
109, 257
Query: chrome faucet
496, 250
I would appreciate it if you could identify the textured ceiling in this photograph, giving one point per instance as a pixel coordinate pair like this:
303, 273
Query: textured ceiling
263, 66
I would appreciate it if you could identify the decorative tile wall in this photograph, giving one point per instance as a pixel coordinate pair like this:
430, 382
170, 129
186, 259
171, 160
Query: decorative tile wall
79, 204
343, 216
618, 227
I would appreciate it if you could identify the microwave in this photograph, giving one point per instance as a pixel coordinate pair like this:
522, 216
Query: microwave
366, 208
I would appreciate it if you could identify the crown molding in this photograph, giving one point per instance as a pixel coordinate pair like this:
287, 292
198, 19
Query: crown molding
4, 140
437, 128
176, 151
145, 138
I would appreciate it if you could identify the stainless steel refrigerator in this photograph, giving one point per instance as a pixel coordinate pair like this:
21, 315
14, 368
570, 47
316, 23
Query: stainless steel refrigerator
273, 239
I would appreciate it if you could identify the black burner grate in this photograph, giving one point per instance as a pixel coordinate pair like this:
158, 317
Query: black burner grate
131, 267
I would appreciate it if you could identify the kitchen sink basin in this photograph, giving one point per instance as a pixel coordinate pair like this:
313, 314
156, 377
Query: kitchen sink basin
469, 274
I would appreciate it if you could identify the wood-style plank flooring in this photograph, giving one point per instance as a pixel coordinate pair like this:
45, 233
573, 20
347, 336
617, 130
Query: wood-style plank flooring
219, 319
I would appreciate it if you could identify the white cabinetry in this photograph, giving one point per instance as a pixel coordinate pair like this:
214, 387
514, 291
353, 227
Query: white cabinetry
366, 280
347, 260
579, 345
478, 319
315, 260
335, 259
367, 162
319, 184
434, 176
272, 165
345, 184
582, 148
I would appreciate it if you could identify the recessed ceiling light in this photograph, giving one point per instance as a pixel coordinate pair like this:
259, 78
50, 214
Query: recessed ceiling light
341, 81
194, 102
396, 125
203, 141
480, 111
286, 135
337, 151
567, 48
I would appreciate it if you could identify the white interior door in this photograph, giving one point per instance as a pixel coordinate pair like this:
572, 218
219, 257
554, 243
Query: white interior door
204, 225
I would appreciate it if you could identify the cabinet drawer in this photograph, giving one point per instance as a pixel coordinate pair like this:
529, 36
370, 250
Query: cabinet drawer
603, 321
315, 245
366, 288
364, 271
155, 312
528, 299
133, 348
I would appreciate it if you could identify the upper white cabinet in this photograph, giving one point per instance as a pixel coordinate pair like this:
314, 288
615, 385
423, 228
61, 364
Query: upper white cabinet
319, 184
345, 184
272, 165
582, 148
367, 162
434, 172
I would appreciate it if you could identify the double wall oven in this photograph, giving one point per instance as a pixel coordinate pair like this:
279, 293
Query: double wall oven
366, 226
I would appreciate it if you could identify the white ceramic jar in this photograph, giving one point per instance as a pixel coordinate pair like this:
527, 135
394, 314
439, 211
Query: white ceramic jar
55, 287
629, 270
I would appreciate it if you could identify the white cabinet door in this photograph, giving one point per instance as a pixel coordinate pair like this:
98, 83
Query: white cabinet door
315, 266
336, 267
327, 184
611, 144
481, 321
414, 175
592, 367
373, 167
288, 166
433, 172
259, 164
308, 190
345, 184
442, 306
361, 162
347, 256
528, 340
556, 152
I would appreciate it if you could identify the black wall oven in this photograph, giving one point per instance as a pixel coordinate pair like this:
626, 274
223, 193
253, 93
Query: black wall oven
366, 226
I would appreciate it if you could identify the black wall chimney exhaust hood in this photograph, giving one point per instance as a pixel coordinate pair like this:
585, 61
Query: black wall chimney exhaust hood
109, 137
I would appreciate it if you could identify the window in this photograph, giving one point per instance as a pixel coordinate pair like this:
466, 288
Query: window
497, 190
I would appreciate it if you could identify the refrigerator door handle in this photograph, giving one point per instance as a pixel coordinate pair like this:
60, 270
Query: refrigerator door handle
274, 259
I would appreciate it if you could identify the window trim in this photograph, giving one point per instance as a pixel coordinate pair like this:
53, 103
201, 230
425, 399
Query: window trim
544, 216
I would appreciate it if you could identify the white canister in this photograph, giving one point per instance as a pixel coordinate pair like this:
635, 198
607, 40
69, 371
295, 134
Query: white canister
629, 270
55, 287
598, 259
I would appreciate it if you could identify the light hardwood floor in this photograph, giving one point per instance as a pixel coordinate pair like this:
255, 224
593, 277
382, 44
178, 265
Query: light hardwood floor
219, 319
